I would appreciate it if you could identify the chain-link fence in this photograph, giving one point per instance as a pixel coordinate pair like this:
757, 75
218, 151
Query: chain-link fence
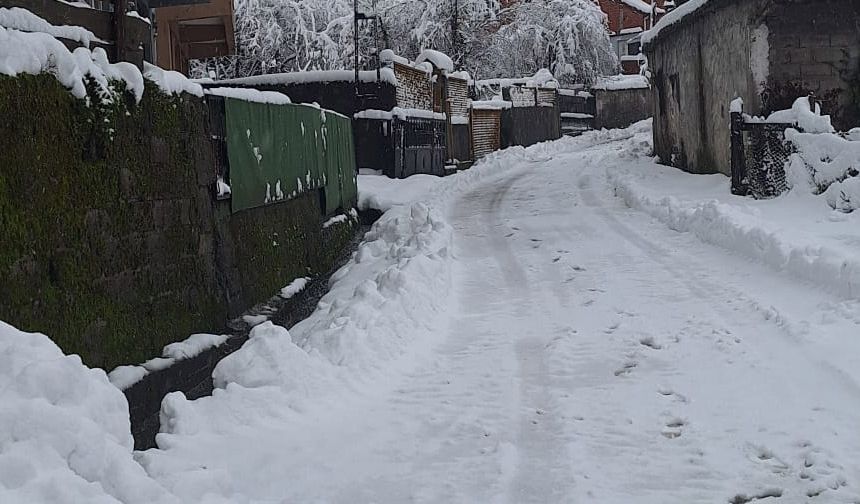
759, 155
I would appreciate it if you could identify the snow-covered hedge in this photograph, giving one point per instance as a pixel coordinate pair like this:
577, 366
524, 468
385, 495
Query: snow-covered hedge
825, 162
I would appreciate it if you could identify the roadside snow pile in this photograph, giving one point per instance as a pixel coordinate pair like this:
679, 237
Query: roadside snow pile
796, 233
64, 430
24, 20
35, 53
378, 192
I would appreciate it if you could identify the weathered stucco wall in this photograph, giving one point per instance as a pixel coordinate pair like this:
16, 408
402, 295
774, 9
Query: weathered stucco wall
715, 55
112, 241
698, 67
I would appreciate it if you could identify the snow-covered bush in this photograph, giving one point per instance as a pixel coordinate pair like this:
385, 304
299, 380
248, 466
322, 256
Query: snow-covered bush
824, 162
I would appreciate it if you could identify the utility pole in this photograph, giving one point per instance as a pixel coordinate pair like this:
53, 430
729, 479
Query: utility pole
455, 22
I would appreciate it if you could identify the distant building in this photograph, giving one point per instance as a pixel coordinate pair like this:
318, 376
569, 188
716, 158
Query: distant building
767, 53
627, 20
185, 32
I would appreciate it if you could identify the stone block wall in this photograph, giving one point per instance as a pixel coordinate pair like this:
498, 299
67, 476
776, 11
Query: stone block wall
112, 240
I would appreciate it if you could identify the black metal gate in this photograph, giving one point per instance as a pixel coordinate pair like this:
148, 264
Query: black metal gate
759, 155
419, 146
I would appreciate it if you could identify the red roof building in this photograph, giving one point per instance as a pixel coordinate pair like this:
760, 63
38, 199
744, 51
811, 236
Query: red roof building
627, 20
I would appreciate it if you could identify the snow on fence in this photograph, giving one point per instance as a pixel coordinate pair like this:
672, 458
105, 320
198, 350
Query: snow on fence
796, 148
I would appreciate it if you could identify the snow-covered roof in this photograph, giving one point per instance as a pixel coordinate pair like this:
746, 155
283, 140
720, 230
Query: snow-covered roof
386, 75
672, 18
438, 59
641, 6
619, 82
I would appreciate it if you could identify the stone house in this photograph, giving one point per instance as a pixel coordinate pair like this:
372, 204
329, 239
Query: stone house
767, 52
628, 19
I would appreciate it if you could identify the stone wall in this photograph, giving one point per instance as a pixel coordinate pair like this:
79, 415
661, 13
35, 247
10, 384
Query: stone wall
702, 63
113, 242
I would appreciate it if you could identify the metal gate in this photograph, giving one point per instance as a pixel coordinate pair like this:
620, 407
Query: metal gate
419, 146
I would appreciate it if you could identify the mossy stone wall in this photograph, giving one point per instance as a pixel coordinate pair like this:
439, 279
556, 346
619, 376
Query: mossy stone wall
111, 241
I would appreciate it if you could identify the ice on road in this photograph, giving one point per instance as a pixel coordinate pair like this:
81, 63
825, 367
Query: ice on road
588, 354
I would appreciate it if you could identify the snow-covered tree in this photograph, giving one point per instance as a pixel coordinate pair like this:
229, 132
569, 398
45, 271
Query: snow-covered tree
569, 37
489, 38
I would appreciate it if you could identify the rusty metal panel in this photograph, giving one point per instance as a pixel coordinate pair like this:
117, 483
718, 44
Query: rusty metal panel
546, 97
414, 88
522, 96
485, 132
458, 97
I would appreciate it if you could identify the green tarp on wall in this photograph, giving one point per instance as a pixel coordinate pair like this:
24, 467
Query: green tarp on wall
277, 152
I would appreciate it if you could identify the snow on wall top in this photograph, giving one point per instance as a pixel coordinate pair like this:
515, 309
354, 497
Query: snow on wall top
542, 78
171, 82
35, 53
400, 113
491, 105
671, 18
251, 95
386, 75
438, 59
24, 20
619, 82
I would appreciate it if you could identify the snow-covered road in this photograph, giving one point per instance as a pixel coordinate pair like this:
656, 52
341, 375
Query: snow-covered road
584, 353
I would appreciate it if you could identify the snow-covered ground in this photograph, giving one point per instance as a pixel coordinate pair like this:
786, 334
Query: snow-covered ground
564, 323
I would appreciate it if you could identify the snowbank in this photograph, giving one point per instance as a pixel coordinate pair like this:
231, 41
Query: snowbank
378, 192
64, 430
35, 53
24, 20
803, 116
796, 233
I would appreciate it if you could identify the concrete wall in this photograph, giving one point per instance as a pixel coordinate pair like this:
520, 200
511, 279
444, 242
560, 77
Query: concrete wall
113, 242
701, 64
621, 108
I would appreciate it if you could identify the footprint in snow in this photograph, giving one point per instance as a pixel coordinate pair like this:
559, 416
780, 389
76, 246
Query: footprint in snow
673, 428
627, 368
649, 342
